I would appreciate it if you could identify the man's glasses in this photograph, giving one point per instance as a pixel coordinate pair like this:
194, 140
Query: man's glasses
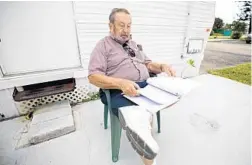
129, 50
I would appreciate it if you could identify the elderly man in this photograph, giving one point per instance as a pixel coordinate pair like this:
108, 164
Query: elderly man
118, 63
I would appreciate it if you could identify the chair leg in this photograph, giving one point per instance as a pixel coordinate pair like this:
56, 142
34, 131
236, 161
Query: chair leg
116, 131
105, 115
158, 121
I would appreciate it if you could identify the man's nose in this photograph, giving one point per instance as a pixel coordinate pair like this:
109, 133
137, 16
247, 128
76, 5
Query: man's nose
126, 29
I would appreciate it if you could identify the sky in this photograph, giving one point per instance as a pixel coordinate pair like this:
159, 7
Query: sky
226, 10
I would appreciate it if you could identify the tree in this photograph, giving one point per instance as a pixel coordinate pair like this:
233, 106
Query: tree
218, 23
228, 26
239, 26
245, 13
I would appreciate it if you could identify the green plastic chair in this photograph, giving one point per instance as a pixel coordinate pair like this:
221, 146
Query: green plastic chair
116, 126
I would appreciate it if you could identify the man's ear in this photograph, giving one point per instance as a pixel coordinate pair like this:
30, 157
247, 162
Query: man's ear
111, 27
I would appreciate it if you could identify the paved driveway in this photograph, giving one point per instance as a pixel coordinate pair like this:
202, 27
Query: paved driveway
224, 54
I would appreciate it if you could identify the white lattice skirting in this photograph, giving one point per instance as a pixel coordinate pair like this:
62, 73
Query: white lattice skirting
80, 94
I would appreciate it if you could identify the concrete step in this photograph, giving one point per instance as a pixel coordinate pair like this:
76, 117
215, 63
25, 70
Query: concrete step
51, 121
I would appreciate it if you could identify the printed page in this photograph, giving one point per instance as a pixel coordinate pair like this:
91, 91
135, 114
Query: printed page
157, 95
174, 85
148, 104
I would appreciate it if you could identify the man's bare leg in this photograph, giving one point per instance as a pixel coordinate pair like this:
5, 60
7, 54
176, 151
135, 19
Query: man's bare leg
147, 161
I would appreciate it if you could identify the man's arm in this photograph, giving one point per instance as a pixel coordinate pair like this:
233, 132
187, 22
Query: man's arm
128, 87
154, 67
158, 68
105, 82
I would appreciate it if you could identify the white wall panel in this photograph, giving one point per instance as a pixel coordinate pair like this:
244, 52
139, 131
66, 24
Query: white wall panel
159, 26
200, 24
7, 105
37, 36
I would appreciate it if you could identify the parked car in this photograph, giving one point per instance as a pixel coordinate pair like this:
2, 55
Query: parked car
248, 39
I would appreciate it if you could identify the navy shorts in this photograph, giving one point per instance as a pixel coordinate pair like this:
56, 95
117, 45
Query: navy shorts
117, 99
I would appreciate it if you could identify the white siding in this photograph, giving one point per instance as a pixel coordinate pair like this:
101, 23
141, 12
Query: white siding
37, 36
159, 26
202, 18
200, 24
92, 24
7, 105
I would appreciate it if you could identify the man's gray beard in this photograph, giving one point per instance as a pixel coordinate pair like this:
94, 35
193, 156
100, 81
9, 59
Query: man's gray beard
119, 39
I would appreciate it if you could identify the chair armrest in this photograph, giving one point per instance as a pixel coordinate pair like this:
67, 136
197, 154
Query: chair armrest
107, 93
152, 74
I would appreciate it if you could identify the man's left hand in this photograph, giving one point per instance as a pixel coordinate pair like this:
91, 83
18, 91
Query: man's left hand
168, 70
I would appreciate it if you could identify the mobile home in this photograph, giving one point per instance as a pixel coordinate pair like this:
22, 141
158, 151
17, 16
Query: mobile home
45, 46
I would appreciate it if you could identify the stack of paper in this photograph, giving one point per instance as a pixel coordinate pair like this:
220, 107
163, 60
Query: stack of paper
162, 92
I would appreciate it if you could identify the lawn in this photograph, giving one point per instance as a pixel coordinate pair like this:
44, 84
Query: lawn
240, 73
219, 37
243, 38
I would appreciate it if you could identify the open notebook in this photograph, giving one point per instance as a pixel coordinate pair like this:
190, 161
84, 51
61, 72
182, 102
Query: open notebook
162, 92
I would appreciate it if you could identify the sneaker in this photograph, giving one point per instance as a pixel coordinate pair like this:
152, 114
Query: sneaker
136, 121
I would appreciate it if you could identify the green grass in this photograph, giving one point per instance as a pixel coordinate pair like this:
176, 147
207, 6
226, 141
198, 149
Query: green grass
240, 73
243, 38
219, 37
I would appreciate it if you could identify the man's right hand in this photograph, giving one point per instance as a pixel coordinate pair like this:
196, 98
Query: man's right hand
129, 88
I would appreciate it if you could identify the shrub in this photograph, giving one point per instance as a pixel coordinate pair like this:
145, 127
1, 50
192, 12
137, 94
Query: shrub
236, 35
212, 32
217, 34
243, 37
